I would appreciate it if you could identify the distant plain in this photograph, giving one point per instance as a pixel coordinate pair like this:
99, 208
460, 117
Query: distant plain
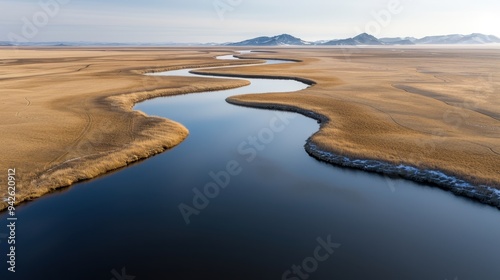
67, 112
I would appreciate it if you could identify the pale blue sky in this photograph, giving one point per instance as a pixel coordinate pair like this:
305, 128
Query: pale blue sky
235, 20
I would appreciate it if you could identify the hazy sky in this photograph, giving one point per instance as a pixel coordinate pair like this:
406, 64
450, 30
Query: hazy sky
235, 20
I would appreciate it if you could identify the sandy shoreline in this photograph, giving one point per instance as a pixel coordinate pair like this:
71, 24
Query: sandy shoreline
385, 137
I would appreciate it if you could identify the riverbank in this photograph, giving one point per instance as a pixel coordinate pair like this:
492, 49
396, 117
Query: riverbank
481, 193
447, 139
82, 99
67, 113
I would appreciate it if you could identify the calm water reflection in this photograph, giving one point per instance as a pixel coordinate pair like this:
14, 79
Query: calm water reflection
267, 219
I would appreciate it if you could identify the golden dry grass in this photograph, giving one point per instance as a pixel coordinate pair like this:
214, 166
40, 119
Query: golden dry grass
429, 108
66, 113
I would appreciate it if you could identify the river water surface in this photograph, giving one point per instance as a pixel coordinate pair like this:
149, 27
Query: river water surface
271, 215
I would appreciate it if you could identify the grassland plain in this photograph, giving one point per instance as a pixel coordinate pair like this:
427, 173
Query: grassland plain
66, 113
426, 114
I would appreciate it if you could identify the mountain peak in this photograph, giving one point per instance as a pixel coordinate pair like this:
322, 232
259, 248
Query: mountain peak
367, 39
278, 40
364, 35
284, 35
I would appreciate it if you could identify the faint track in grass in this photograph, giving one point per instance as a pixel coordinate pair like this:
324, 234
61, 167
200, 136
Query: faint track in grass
72, 147
130, 128
28, 104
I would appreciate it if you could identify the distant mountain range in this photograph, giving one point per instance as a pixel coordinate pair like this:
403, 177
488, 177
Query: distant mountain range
363, 39
474, 38
367, 39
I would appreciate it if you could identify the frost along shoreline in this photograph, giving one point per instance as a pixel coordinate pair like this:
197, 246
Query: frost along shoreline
480, 193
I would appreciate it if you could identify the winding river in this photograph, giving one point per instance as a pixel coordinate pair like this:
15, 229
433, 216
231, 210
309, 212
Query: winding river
241, 199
